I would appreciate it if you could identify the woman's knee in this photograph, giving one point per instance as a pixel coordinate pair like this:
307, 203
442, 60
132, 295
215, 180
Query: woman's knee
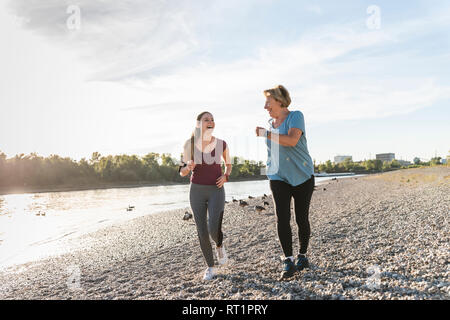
282, 220
303, 226
203, 232
283, 213
215, 228
214, 234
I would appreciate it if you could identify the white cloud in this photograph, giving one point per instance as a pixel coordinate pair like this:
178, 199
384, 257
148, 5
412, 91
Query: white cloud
116, 38
327, 91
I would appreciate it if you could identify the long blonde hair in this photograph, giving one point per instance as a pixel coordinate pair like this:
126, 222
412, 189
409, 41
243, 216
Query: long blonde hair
196, 133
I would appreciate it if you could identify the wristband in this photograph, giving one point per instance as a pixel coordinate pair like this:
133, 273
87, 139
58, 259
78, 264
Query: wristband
181, 167
259, 132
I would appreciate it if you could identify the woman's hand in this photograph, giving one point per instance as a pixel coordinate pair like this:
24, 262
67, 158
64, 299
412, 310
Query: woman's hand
191, 165
221, 181
260, 132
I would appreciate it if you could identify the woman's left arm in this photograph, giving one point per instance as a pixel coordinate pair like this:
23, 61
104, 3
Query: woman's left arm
224, 178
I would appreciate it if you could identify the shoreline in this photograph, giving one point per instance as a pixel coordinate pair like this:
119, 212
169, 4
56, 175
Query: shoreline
371, 223
26, 190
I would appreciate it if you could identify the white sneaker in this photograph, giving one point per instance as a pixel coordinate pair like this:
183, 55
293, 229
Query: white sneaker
222, 256
210, 273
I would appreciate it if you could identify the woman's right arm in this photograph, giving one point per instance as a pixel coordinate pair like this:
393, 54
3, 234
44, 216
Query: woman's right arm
187, 165
287, 140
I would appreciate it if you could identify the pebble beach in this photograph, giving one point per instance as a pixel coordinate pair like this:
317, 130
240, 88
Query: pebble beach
384, 236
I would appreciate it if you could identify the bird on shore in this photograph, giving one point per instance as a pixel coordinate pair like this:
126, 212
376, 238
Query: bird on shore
266, 203
226, 201
187, 216
242, 203
259, 208
264, 196
130, 208
234, 200
43, 214
250, 197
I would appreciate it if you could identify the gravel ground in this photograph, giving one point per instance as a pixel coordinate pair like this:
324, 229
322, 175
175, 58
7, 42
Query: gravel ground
382, 236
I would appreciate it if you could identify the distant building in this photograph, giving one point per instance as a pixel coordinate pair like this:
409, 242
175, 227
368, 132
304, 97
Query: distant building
339, 159
385, 157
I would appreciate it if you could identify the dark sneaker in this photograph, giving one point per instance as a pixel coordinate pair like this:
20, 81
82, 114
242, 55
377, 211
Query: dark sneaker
302, 262
289, 269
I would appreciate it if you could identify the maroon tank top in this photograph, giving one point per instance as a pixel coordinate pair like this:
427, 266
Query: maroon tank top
210, 169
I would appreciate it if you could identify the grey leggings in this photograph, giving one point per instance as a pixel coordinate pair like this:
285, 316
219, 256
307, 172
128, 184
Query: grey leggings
209, 198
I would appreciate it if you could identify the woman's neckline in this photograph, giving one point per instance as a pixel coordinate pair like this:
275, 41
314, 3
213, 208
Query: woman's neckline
215, 145
281, 121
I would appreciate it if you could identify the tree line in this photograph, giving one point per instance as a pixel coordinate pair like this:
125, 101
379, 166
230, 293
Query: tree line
43, 172
371, 166
34, 170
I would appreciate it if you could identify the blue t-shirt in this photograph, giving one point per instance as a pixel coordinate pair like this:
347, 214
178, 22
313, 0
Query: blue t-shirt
294, 164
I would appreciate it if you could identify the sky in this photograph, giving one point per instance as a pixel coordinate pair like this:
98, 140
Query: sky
130, 77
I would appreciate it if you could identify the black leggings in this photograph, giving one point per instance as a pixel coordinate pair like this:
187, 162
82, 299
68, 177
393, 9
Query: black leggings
282, 193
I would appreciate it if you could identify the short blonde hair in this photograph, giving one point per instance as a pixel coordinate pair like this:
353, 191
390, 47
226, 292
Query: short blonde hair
280, 94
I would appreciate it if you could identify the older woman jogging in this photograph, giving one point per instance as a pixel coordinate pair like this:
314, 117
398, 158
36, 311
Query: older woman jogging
291, 174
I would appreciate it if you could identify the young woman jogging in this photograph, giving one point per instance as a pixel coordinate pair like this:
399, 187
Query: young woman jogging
202, 156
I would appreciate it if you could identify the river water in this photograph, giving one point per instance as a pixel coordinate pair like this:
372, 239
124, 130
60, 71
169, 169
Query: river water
26, 236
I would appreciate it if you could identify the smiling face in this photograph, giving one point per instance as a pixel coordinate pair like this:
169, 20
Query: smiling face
273, 107
207, 123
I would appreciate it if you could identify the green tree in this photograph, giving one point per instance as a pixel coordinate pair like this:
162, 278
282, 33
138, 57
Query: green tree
329, 166
435, 161
105, 168
395, 164
151, 166
322, 167
348, 165
168, 168
95, 157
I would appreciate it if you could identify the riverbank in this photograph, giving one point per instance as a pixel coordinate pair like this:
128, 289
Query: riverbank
373, 237
65, 188
72, 187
